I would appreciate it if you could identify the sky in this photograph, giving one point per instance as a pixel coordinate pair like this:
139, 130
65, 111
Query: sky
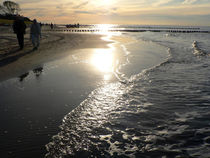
142, 12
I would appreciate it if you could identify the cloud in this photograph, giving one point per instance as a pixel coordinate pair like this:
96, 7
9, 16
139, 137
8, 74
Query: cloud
115, 8
81, 5
163, 2
117, 11
189, 1
64, 6
84, 12
31, 1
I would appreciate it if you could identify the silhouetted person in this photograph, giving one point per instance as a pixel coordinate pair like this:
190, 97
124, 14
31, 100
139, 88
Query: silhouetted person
51, 26
35, 34
19, 28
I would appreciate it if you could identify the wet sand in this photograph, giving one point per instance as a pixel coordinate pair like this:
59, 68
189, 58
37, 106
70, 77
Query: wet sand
34, 95
40, 87
53, 46
70, 103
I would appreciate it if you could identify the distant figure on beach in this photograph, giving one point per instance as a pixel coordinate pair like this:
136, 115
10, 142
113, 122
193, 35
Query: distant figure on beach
35, 34
51, 26
19, 28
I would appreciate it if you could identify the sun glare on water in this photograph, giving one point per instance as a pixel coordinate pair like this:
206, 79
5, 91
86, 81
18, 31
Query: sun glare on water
104, 28
102, 59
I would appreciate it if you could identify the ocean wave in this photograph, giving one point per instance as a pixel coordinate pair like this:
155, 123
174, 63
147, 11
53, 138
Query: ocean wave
197, 50
160, 112
149, 117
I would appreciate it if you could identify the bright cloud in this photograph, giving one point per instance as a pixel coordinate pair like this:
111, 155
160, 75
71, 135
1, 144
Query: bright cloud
183, 12
189, 1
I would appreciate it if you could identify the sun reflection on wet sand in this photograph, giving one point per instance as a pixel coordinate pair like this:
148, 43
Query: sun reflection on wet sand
103, 60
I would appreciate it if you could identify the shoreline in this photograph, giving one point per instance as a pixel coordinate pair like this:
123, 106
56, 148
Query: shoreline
113, 118
35, 103
53, 46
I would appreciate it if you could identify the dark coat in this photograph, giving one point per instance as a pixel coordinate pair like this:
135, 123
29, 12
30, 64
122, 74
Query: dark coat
19, 27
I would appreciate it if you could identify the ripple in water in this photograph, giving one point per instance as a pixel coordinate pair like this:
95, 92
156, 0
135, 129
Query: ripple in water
164, 112
133, 120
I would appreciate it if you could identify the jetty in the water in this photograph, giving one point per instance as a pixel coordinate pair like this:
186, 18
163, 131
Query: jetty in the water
172, 30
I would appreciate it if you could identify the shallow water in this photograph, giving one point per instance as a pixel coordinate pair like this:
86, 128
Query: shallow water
148, 98
162, 111
33, 104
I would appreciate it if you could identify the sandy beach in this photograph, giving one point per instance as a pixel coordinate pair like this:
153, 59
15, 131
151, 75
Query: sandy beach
53, 46
106, 79
33, 112
105, 94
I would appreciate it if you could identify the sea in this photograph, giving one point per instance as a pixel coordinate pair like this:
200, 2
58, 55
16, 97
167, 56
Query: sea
148, 97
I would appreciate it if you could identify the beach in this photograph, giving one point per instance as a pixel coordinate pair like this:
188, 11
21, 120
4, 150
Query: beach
105, 94
30, 123
59, 43
54, 46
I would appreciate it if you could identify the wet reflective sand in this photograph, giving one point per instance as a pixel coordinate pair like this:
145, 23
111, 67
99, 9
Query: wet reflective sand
162, 111
34, 102
146, 97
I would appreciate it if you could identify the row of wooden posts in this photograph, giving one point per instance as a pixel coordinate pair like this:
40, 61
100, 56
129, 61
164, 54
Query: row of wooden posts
115, 30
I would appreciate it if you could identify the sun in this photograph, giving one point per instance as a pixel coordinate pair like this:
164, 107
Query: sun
107, 2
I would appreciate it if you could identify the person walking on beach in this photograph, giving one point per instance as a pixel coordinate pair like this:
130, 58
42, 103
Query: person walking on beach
35, 34
19, 28
51, 26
